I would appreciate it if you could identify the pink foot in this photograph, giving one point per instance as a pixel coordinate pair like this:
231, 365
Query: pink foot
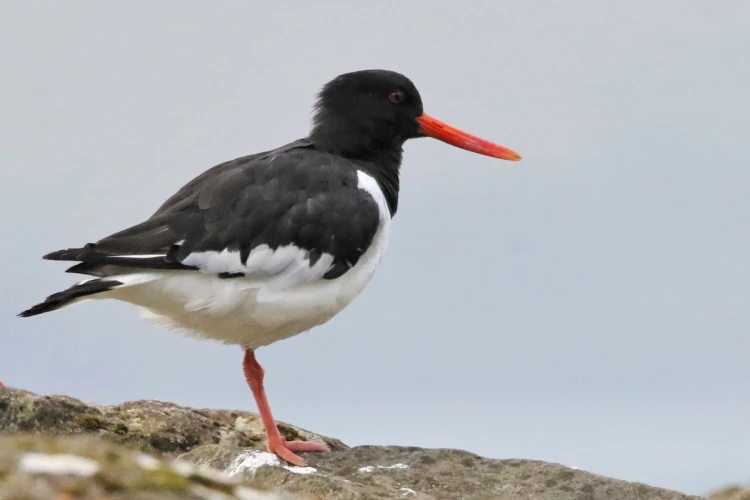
285, 449
305, 446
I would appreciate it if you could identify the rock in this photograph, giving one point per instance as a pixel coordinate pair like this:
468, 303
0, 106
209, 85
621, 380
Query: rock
401, 472
86, 468
735, 492
232, 442
150, 426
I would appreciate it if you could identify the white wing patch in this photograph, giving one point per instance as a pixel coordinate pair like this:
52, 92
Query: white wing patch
143, 256
286, 266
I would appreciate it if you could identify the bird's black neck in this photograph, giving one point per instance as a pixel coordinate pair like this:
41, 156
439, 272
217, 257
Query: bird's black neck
387, 177
380, 160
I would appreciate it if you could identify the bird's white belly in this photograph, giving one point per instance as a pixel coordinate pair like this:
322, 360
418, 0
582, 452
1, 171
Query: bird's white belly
236, 311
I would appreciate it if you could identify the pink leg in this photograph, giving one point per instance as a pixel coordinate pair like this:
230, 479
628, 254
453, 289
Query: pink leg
276, 442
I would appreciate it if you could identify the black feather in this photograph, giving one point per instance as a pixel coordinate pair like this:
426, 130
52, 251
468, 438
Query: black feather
60, 299
92, 259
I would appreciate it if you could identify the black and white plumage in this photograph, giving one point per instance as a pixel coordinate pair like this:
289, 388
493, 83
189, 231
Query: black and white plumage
257, 249
267, 246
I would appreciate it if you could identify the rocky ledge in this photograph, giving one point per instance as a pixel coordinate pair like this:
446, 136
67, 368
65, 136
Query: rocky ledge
57, 447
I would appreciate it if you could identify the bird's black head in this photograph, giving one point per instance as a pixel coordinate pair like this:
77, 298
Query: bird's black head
370, 114
366, 113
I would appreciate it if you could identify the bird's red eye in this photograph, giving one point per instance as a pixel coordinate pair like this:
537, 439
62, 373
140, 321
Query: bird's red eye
396, 97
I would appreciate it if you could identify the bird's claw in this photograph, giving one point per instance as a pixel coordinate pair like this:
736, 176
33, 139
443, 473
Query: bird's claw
285, 449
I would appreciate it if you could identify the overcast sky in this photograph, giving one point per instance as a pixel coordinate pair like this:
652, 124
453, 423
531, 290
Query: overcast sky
589, 305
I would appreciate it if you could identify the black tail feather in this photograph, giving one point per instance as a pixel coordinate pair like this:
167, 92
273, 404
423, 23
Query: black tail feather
71, 253
93, 269
61, 299
92, 260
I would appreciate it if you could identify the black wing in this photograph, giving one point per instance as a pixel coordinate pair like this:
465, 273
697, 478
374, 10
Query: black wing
294, 195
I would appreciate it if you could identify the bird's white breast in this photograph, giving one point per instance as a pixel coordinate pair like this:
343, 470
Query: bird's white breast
254, 312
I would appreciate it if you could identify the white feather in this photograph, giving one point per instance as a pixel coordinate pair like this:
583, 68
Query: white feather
281, 268
143, 256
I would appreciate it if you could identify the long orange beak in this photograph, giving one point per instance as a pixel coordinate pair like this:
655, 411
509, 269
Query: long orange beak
436, 129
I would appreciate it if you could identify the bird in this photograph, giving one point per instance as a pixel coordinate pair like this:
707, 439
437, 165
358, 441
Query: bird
267, 246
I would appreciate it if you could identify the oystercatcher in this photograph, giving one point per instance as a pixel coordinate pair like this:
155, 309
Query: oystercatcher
270, 245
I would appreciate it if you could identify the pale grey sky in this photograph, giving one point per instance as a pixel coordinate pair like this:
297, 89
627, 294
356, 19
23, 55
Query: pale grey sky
589, 305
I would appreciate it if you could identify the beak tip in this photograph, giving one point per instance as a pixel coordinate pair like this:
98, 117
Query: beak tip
509, 155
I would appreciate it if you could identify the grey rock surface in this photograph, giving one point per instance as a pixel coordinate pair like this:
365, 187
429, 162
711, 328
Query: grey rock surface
49, 467
228, 447
734, 492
